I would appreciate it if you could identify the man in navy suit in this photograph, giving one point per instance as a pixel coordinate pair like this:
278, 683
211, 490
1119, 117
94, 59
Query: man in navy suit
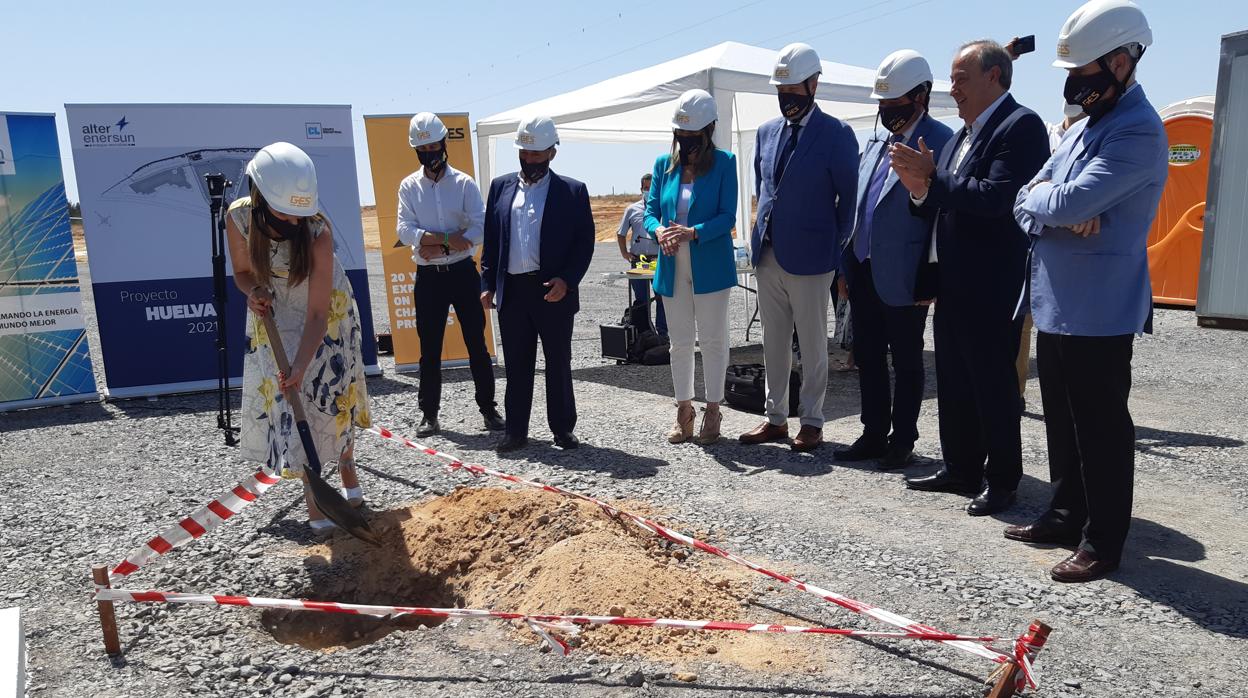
539, 238
881, 259
969, 193
806, 185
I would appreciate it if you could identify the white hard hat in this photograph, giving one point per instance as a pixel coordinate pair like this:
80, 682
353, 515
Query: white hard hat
425, 128
286, 178
536, 133
795, 64
695, 111
1099, 27
900, 72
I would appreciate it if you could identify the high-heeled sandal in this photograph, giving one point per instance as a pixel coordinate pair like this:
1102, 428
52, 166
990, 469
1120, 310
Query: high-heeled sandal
682, 430
709, 433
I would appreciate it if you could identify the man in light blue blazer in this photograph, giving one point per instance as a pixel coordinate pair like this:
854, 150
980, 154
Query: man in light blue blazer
806, 183
882, 259
1088, 212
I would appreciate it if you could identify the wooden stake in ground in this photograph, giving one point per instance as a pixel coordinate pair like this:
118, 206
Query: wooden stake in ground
1007, 675
108, 620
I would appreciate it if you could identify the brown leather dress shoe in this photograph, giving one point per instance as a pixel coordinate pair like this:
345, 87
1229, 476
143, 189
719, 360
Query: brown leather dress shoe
1082, 566
1043, 531
808, 439
765, 432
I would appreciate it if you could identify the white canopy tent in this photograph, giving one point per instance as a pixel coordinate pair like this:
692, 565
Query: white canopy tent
637, 107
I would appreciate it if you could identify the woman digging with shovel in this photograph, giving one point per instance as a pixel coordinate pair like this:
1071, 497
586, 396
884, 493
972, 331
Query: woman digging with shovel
283, 257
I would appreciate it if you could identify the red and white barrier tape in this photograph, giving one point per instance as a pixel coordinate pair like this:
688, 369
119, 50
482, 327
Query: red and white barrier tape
910, 626
1025, 649
219, 510
197, 524
557, 623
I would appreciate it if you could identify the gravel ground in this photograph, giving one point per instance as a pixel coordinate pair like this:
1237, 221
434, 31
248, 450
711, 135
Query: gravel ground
85, 484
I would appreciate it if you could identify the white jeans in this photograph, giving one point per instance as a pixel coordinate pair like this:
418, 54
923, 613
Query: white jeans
708, 313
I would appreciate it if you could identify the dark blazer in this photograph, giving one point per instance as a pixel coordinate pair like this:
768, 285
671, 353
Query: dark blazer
811, 209
567, 243
981, 250
899, 241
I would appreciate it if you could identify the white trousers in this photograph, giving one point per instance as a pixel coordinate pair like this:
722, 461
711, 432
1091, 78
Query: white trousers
703, 316
786, 301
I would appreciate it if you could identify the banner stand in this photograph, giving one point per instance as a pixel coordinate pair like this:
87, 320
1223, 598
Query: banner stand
44, 358
141, 178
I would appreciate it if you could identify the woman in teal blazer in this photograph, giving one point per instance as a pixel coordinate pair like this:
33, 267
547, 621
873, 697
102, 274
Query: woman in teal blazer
690, 210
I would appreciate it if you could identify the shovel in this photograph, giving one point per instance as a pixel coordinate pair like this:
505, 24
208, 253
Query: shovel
328, 499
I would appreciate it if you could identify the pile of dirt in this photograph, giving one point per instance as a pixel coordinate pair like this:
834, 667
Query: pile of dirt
539, 553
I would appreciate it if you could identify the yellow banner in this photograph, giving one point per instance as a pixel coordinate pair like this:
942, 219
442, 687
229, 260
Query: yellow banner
392, 159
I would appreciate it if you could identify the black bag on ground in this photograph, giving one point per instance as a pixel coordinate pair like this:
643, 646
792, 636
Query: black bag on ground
745, 388
650, 349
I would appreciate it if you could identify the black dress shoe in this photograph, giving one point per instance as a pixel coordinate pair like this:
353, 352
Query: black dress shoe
1082, 566
428, 426
510, 443
567, 441
863, 449
493, 420
991, 501
942, 481
897, 457
1044, 531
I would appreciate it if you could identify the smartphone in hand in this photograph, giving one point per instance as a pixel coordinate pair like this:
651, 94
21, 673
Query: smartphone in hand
1023, 44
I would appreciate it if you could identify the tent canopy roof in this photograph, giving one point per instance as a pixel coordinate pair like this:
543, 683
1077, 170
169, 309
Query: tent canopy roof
638, 106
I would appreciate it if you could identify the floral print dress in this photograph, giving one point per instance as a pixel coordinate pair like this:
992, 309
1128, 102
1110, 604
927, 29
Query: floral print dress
335, 397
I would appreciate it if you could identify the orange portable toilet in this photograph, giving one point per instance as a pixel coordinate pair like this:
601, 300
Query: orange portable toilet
1174, 242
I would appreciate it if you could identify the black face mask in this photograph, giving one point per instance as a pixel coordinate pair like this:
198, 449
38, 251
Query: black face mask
433, 160
794, 106
283, 230
534, 171
895, 118
1088, 91
690, 147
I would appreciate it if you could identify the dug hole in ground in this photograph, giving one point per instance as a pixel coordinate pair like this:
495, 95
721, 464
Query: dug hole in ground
539, 553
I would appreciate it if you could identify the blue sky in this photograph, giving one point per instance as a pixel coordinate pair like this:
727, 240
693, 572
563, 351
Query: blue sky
484, 57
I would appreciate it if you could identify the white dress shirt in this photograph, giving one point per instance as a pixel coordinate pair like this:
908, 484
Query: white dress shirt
964, 147
451, 204
525, 251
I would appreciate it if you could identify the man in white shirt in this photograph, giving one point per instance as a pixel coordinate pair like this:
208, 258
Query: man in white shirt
539, 240
441, 217
634, 243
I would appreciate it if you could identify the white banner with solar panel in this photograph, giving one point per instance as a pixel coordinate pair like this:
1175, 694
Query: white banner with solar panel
145, 206
43, 344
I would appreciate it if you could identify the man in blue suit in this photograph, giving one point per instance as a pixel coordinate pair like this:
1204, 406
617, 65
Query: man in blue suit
539, 238
1088, 212
881, 259
806, 186
969, 193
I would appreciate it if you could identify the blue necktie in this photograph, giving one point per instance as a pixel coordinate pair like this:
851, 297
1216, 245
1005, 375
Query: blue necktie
783, 161
862, 241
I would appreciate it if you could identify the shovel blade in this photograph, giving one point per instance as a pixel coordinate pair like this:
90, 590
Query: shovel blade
335, 508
